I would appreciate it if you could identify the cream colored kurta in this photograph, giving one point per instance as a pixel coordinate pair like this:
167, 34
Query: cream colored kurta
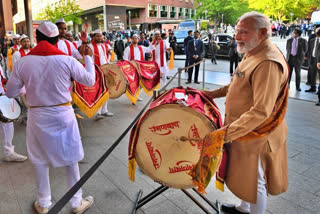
250, 98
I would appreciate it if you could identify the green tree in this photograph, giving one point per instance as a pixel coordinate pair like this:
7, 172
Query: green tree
69, 10
214, 10
281, 9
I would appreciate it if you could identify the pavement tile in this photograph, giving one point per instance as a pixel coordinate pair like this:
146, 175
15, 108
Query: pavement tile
282, 206
165, 207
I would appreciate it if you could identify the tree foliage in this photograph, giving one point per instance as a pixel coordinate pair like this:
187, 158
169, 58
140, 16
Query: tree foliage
69, 10
281, 9
230, 10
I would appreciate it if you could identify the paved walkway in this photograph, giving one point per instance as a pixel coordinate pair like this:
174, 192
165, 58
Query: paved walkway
115, 194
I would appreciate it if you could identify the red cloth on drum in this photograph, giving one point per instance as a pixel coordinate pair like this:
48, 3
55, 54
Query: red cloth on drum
150, 75
90, 99
132, 76
196, 100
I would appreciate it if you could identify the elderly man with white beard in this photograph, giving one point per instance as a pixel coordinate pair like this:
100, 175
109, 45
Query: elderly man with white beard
256, 101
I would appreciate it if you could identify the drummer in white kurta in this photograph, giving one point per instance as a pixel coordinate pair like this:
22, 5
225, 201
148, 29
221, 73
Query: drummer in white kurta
161, 53
138, 50
52, 131
64, 45
6, 132
101, 56
23, 51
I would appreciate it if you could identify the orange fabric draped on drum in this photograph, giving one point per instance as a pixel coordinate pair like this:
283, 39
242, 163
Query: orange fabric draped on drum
212, 151
188, 99
90, 99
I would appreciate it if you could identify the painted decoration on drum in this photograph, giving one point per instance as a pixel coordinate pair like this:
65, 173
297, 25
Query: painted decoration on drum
149, 73
90, 99
155, 141
132, 76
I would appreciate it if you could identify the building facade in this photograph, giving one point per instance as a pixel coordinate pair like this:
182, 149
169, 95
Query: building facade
8, 8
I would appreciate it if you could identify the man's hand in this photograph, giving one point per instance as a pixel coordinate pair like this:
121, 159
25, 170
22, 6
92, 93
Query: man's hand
195, 57
318, 65
209, 94
88, 51
83, 36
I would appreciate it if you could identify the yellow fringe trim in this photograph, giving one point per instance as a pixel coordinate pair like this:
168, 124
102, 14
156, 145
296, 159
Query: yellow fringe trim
147, 91
89, 112
132, 169
220, 186
112, 56
78, 116
134, 98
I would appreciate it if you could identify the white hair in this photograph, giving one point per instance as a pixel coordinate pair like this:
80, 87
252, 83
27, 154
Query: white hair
261, 20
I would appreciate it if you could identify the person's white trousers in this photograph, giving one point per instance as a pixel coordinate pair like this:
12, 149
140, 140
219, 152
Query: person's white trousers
260, 206
43, 184
103, 109
6, 132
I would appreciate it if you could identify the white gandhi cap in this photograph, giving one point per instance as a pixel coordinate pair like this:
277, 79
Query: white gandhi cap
23, 37
69, 32
97, 31
134, 35
157, 32
60, 21
16, 36
48, 29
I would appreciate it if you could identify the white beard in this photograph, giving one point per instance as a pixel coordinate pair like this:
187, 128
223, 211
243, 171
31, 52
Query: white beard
248, 46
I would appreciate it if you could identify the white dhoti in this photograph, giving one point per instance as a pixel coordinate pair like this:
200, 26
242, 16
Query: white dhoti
164, 71
6, 132
53, 136
260, 206
103, 109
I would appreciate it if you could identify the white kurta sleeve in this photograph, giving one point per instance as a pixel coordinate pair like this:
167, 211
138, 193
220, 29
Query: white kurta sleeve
148, 49
126, 54
85, 76
74, 52
16, 57
15, 83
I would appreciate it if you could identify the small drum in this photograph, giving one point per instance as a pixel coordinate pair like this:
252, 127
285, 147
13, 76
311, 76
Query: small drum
10, 109
159, 152
116, 81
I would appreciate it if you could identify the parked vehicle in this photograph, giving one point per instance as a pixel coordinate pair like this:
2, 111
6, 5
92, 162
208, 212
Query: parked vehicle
180, 35
222, 40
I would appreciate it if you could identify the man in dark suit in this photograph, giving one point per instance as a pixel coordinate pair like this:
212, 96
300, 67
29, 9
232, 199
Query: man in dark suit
194, 50
311, 36
185, 42
296, 50
119, 47
313, 55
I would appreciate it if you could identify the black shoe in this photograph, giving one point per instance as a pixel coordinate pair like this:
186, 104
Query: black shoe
188, 82
318, 103
197, 82
230, 209
312, 89
298, 89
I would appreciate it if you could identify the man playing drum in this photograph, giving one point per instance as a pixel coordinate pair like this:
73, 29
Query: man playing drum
256, 166
52, 131
159, 54
101, 56
135, 51
6, 132
64, 45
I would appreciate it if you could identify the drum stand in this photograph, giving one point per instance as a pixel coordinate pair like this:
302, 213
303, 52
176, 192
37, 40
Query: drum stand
140, 202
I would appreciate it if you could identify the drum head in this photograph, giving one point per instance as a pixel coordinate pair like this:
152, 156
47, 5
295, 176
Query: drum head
10, 109
161, 154
116, 81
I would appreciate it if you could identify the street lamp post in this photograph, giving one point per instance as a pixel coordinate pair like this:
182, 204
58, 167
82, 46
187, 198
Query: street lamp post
205, 12
129, 12
222, 18
291, 14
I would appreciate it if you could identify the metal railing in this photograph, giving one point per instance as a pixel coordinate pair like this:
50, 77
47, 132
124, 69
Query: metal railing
64, 200
190, 66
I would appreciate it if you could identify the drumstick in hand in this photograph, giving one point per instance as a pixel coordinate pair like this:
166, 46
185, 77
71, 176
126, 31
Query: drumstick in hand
184, 138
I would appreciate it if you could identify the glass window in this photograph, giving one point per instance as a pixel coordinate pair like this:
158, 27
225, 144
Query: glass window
153, 10
135, 13
181, 13
192, 13
163, 11
187, 13
173, 12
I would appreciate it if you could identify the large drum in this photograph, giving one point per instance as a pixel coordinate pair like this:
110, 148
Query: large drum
10, 109
155, 141
115, 79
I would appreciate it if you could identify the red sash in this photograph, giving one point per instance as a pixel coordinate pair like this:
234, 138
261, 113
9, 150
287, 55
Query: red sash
15, 47
132, 53
107, 50
22, 53
68, 47
161, 53
44, 48
96, 52
75, 45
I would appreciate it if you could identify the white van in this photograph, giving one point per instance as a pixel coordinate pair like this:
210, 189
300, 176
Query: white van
315, 17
